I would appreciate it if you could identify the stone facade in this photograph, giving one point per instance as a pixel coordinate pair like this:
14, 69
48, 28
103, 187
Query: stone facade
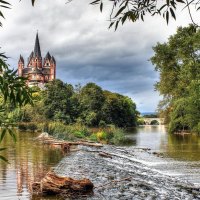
38, 70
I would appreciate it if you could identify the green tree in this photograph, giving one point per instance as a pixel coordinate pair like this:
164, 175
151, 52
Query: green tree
119, 110
91, 102
178, 63
57, 99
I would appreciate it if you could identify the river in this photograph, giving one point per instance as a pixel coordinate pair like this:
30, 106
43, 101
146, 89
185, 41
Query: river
153, 160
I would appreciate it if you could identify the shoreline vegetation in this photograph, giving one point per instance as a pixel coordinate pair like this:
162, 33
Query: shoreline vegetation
71, 112
105, 135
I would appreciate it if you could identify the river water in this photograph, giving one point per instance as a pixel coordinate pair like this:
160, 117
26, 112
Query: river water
153, 159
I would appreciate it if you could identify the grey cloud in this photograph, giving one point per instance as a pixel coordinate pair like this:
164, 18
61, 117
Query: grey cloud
85, 50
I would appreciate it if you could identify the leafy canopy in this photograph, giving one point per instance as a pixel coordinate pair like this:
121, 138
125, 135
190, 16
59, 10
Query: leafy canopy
178, 63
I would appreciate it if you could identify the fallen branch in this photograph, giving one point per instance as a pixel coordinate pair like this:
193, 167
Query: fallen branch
54, 184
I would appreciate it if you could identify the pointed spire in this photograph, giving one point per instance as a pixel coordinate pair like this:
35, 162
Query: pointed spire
48, 56
21, 59
37, 52
53, 59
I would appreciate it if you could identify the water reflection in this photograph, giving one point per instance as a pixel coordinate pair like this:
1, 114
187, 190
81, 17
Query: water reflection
29, 161
184, 147
180, 147
147, 136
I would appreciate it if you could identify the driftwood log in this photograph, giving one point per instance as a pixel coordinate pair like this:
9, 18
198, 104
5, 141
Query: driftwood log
64, 145
53, 184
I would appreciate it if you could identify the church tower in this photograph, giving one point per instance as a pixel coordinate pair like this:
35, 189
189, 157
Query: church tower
20, 65
38, 71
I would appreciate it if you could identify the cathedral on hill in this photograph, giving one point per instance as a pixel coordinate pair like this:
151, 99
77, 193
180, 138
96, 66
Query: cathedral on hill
38, 70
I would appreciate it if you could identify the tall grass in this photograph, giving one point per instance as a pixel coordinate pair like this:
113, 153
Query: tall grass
65, 132
109, 135
106, 135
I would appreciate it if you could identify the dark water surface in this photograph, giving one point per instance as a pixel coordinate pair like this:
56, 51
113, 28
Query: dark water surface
29, 160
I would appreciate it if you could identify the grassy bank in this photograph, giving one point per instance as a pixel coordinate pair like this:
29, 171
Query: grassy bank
106, 135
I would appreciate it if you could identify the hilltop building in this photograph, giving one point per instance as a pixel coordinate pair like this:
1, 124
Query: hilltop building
38, 70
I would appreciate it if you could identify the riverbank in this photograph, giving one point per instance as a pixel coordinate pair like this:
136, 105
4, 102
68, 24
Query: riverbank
105, 134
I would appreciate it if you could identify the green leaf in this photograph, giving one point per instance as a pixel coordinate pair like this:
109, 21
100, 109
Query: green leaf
120, 11
180, 1
3, 134
172, 13
116, 25
33, 2
12, 134
95, 2
111, 24
3, 158
167, 17
101, 6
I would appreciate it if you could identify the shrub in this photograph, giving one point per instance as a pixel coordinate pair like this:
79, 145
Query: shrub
118, 136
154, 122
79, 134
101, 136
140, 121
27, 126
66, 132
110, 135
22, 126
93, 137
32, 127
102, 124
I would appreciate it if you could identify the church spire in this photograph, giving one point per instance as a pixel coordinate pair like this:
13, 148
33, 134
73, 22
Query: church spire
37, 52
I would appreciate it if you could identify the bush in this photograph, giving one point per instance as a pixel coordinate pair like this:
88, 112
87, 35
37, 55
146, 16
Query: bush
79, 134
32, 127
27, 126
22, 127
101, 136
102, 124
110, 135
118, 137
154, 122
66, 132
93, 137
140, 121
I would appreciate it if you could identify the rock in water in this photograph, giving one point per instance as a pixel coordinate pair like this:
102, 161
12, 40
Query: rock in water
53, 184
43, 135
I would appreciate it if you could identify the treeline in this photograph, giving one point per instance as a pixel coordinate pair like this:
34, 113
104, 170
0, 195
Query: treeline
178, 63
88, 105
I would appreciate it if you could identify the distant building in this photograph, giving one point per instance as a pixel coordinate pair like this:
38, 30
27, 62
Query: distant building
38, 70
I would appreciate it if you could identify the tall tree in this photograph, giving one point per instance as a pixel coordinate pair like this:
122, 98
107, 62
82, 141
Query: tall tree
178, 63
119, 110
57, 101
91, 102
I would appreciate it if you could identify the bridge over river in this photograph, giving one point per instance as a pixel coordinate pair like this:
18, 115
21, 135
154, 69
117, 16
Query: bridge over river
152, 121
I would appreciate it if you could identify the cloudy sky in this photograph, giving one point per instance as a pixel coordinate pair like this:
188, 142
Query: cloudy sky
85, 50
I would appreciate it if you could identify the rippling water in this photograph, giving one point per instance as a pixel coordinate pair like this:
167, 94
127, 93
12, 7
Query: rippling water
180, 153
29, 160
